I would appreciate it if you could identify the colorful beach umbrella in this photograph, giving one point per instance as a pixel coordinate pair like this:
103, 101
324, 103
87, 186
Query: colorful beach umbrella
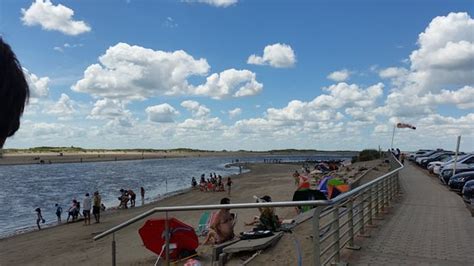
335, 182
323, 183
153, 235
335, 190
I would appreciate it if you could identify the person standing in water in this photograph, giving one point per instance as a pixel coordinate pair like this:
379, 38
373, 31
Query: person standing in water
86, 209
133, 196
96, 205
142, 193
39, 218
59, 211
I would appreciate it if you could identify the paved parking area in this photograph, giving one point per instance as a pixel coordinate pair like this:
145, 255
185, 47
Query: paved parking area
429, 225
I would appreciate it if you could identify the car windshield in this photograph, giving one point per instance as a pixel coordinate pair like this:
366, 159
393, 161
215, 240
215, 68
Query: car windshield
460, 157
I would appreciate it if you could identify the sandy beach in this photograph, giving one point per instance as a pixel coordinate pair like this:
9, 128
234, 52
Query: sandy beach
13, 158
72, 244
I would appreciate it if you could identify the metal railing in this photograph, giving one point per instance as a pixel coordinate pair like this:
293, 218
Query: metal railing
359, 207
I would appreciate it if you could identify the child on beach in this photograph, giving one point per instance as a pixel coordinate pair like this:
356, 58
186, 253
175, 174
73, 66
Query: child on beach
59, 211
39, 218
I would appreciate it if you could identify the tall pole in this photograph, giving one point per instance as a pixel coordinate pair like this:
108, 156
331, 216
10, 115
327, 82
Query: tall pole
456, 156
393, 135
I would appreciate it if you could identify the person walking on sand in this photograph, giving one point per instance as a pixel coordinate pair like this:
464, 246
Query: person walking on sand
96, 204
86, 209
59, 211
229, 184
39, 218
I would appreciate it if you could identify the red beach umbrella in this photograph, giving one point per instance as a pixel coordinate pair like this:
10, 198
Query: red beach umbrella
153, 234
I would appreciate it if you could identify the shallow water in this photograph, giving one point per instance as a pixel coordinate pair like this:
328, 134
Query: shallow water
26, 187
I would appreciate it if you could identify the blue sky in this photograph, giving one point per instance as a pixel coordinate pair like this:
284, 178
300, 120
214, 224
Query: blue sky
145, 94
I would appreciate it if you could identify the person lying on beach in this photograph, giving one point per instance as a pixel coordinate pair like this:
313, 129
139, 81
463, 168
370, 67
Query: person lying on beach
14, 92
222, 228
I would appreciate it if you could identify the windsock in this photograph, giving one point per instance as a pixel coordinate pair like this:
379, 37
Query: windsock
403, 125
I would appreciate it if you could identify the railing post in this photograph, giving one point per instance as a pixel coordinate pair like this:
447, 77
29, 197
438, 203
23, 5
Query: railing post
370, 207
394, 185
113, 250
385, 194
316, 238
362, 215
335, 227
350, 205
376, 199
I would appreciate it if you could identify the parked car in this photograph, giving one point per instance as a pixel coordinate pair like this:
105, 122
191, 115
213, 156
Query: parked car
465, 164
437, 169
435, 157
412, 156
468, 191
427, 154
431, 165
457, 181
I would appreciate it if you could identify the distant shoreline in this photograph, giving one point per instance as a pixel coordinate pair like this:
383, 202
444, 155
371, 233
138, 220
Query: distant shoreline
22, 158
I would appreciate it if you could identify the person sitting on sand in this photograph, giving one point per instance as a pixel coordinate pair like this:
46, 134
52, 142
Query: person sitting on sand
14, 92
222, 228
39, 218
267, 220
193, 182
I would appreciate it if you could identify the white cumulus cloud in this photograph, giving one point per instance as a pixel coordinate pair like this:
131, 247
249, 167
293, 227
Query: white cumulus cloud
216, 3
135, 73
230, 82
163, 113
63, 108
39, 86
53, 17
338, 76
235, 112
276, 55
196, 108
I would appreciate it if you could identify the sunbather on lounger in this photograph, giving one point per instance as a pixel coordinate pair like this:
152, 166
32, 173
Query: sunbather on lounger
222, 228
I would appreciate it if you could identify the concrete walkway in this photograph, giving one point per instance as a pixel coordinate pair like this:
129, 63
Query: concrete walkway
428, 225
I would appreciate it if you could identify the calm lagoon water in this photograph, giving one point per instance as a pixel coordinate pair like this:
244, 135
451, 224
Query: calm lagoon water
26, 187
